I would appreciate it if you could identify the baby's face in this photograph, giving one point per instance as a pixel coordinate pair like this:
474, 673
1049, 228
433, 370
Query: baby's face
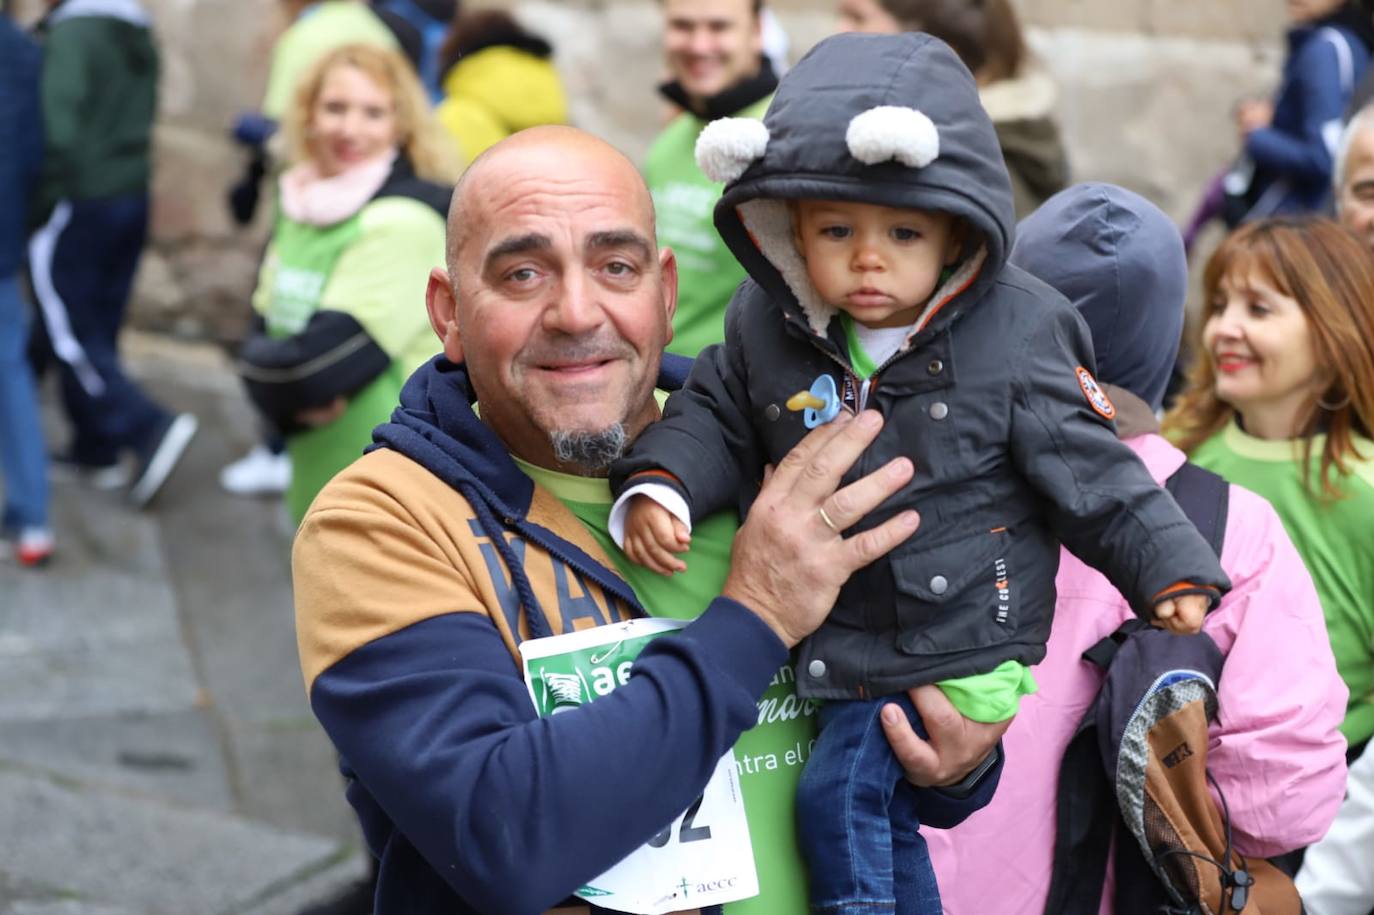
876, 263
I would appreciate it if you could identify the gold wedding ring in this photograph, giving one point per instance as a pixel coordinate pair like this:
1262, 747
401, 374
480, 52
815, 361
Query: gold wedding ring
826, 518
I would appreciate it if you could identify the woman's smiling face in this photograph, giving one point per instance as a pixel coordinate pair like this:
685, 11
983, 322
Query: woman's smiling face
1261, 346
352, 121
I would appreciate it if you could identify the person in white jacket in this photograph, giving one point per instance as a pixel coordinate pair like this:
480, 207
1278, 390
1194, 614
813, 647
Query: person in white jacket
1337, 876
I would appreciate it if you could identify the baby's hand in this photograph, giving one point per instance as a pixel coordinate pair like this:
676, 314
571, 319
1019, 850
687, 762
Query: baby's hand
1182, 615
653, 534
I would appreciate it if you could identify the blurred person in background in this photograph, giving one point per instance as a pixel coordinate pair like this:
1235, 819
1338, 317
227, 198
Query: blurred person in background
99, 99
714, 51
24, 530
315, 29
1337, 875
498, 78
429, 22
1354, 176
1282, 402
1275, 751
360, 224
1018, 94
1287, 145
1364, 92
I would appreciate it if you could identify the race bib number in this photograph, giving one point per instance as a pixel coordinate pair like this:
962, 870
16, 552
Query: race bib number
704, 856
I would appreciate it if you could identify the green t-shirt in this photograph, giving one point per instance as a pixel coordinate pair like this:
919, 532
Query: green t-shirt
770, 755
1334, 539
685, 203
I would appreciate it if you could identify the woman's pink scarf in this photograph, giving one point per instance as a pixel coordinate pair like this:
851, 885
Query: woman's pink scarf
316, 200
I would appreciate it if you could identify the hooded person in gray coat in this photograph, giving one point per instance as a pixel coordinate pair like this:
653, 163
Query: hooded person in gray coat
873, 212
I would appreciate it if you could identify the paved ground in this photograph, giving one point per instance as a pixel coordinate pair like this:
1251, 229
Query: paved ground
157, 756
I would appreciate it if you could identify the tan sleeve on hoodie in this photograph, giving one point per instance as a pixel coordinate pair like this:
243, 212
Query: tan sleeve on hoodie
387, 545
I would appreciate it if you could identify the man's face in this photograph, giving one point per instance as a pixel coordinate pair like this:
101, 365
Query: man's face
563, 306
711, 44
1355, 203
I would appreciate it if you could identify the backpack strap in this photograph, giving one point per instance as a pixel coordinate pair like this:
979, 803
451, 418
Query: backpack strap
1205, 498
1085, 815
1104, 651
1085, 804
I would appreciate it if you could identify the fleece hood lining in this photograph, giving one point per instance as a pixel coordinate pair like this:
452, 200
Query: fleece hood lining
769, 224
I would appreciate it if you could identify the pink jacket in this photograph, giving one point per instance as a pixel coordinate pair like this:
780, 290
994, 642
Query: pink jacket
1275, 750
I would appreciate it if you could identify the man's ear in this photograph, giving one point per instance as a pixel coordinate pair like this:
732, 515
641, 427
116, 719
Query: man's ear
443, 313
667, 271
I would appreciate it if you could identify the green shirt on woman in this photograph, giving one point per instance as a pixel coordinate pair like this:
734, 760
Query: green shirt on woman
1334, 538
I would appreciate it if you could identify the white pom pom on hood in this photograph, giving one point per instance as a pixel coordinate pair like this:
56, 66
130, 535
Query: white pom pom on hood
728, 146
891, 132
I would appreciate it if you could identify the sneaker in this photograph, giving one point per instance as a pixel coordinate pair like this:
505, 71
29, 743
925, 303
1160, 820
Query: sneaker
257, 473
105, 477
33, 546
164, 451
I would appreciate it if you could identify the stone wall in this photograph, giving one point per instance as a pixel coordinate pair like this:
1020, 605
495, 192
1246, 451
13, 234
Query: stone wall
1147, 87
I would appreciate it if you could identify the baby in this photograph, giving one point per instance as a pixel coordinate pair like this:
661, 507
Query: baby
873, 212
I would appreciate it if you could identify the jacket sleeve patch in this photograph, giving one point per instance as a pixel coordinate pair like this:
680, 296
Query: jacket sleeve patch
1097, 398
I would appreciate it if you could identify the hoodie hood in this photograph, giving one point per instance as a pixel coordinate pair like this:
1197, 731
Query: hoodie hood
892, 120
1120, 261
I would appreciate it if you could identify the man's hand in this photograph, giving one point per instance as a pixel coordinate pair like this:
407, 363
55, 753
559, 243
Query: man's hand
1182, 615
789, 560
653, 534
956, 745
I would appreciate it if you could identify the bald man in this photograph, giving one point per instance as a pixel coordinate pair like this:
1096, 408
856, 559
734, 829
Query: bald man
468, 530
1354, 175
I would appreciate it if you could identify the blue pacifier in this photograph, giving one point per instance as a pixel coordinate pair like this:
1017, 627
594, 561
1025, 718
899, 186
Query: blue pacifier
821, 403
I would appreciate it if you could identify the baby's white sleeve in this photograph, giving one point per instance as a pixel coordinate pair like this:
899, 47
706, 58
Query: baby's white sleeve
661, 493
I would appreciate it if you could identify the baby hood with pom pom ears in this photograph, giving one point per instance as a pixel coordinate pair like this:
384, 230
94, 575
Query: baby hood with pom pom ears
884, 119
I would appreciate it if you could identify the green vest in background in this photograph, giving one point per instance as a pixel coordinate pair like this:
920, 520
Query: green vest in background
685, 201
373, 266
1332, 537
